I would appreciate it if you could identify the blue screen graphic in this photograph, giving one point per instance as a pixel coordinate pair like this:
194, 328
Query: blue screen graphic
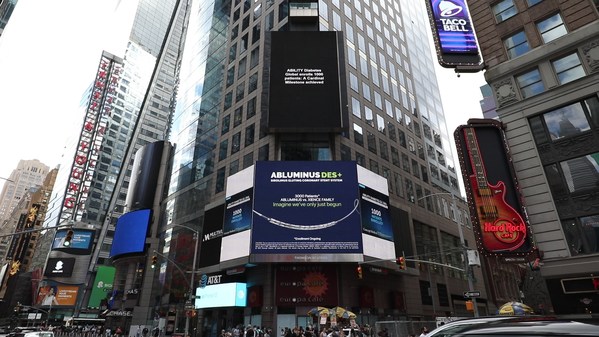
80, 243
306, 207
238, 212
374, 207
454, 27
130, 233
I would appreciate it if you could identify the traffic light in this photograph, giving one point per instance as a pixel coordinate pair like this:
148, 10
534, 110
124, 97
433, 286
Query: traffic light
401, 262
68, 238
359, 271
154, 261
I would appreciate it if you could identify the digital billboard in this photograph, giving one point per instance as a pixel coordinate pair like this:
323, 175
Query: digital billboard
306, 211
238, 212
305, 80
55, 294
59, 267
102, 286
81, 242
453, 33
497, 211
144, 176
221, 295
130, 233
374, 208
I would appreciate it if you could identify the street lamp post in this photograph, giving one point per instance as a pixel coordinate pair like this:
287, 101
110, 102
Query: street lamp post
191, 296
467, 267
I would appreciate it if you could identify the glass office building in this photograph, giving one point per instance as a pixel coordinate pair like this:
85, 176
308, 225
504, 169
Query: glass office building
392, 125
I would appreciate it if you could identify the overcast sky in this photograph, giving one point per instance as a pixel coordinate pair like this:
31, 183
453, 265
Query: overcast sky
49, 52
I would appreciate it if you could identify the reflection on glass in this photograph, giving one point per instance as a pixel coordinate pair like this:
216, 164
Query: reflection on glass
583, 237
581, 173
552, 28
531, 83
568, 68
567, 121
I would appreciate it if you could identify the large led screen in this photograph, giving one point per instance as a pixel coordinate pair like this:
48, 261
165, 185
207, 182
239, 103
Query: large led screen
59, 267
56, 294
305, 83
130, 233
221, 295
81, 242
453, 33
496, 209
102, 286
374, 208
238, 212
304, 210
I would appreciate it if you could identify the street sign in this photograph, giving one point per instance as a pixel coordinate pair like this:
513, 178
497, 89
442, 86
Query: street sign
469, 294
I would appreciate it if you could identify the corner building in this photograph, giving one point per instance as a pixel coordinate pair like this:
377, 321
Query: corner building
389, 121
542, 63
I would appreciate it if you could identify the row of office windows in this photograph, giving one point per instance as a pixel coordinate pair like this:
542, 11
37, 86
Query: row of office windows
506, 9
565, 69
549, 29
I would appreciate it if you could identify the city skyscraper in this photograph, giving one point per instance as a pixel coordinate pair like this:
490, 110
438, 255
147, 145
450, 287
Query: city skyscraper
27, 174
542, 65
391, 123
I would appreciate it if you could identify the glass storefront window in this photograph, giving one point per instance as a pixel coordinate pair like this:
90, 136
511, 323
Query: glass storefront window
581, 173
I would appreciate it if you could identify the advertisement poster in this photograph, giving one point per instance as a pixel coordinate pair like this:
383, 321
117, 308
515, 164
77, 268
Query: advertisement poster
59, 267
102, 286
57, 295
307, 209
238, 212
80, 243
374, 207
306, 285
454, 27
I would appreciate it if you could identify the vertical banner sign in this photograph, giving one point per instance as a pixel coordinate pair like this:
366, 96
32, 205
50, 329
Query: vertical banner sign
90, 139
102, 286
496, 208
374, 208
304, 210
453, 33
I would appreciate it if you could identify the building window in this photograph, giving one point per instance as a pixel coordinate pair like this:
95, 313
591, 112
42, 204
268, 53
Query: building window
249, 135
566, 121
532, 2
582, 235
251, 107
531, 83
384, 149
504, 10
568, 68
358, 135
253, 83
223, 149
248, 160
395, 157
220, 180
254, 57
240, 92
355, 107
237, 116
516, 45
552, 28
371, 140
226, 124
345, 152
581, 173
236, 143
263, 152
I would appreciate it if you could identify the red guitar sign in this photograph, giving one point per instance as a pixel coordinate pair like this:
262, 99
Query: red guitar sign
502, 227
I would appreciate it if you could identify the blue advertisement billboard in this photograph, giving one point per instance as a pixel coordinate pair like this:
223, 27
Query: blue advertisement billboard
81, 242
374, 208
238, 212
130, 233
303, 210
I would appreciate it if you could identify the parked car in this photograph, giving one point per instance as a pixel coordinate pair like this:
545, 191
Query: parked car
451, 328
533, 326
